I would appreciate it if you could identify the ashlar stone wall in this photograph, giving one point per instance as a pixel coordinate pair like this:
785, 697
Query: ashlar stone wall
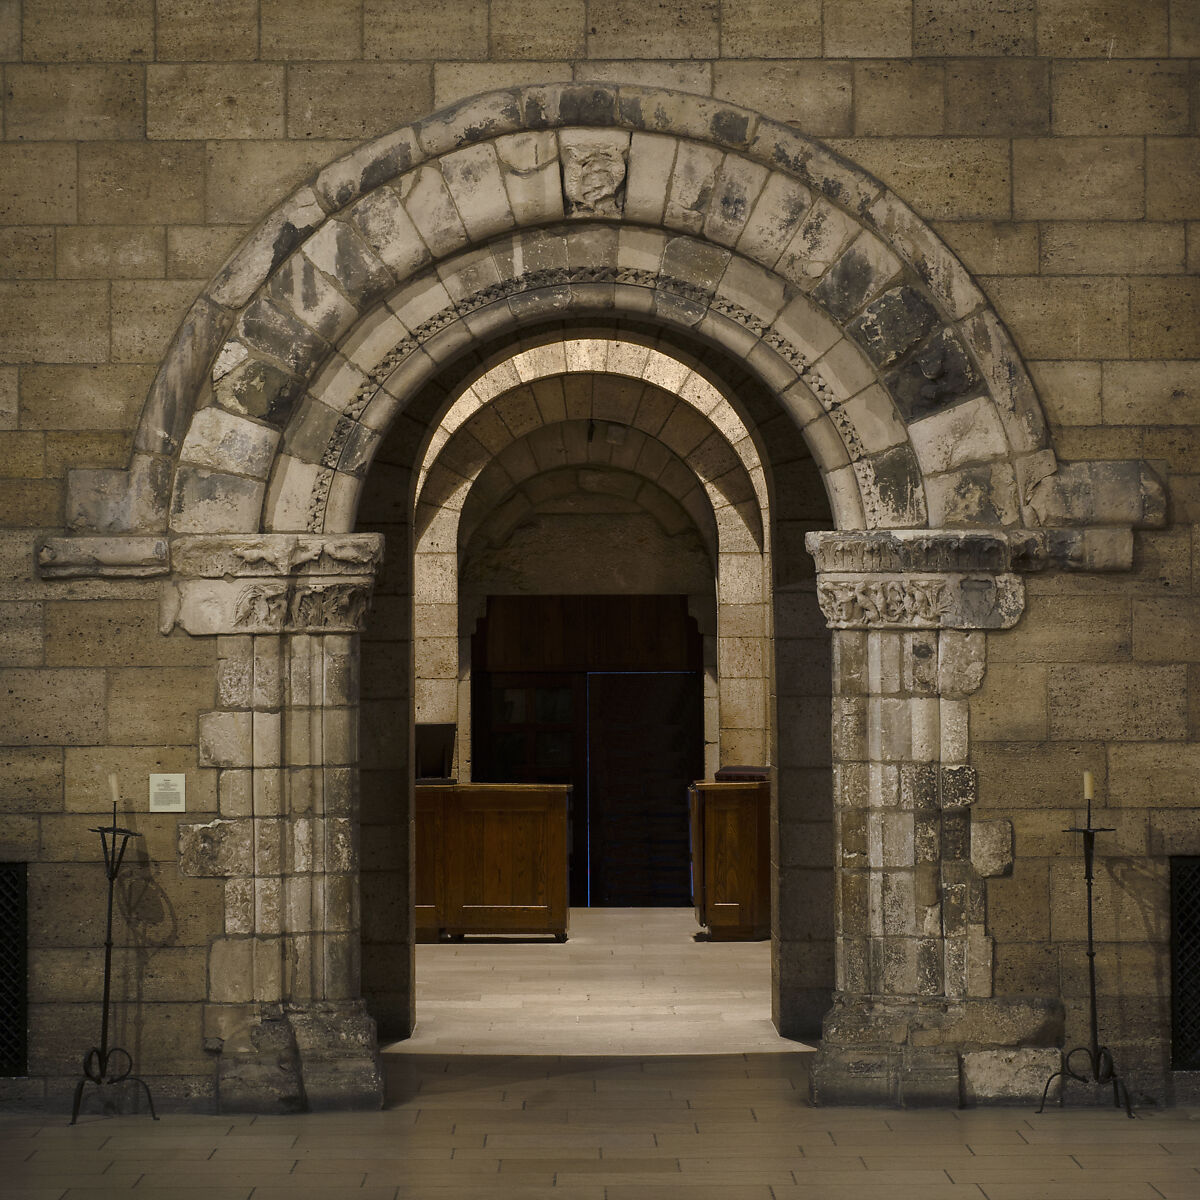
1055, 146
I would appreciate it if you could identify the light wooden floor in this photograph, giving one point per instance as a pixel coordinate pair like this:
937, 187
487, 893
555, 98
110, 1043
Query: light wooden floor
554, 1122
627, 981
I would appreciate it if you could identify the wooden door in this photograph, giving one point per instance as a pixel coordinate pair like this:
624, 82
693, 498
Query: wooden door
645, 746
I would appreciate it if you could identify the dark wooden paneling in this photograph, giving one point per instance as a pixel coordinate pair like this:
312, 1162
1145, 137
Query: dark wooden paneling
494, 858
587, 633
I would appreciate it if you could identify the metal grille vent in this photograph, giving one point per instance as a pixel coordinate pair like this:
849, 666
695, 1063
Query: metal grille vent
12, 969
1185, 964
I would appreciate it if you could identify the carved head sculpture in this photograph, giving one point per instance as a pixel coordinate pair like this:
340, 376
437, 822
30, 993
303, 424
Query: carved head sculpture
593, 167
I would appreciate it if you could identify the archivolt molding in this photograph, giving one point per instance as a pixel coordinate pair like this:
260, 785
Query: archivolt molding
593, 198
683, 440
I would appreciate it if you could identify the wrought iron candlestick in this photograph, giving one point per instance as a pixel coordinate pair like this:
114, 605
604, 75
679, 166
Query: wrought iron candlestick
1100, 1065
105, 1065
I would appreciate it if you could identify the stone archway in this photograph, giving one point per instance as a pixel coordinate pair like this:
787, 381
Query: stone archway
356, 308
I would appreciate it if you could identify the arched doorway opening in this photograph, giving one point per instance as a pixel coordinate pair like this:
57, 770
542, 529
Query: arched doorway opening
647, 437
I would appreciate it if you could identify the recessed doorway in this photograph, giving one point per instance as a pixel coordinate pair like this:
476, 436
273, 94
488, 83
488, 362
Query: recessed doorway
604, 693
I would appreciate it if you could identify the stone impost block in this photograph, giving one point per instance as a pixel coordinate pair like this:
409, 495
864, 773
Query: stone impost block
115, 557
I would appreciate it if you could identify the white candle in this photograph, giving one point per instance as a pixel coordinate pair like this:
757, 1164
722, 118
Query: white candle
112, 787
1089, 786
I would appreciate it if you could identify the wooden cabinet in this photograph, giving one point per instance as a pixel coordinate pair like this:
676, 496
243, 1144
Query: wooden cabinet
491, 858
731, 858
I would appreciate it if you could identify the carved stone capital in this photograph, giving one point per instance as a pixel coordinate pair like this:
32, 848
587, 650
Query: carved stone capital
927, 601
910, 551
270, 583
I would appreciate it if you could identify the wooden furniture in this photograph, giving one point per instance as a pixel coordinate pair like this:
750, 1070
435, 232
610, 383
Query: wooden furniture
731, 858
491, 858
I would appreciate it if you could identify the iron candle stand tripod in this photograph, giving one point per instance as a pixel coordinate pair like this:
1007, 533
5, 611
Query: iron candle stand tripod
104, 1065
1101, 1067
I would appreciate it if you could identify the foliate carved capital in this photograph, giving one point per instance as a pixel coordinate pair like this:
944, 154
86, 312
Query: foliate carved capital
916, 579
925, 601
270, 583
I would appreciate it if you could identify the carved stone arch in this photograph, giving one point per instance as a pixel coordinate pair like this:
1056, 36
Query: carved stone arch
352, 314
722, 216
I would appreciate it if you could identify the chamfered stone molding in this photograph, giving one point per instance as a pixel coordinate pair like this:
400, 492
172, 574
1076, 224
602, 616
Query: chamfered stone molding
106, 557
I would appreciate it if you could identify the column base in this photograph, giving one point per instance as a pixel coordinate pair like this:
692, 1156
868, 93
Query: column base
905, 1053
272, 1058
339, 1055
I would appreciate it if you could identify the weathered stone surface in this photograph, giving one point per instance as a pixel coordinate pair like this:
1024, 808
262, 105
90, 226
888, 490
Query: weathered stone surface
891, 325
940, 372
992, 847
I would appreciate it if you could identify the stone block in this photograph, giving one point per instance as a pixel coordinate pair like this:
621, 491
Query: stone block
1101, 29
888, 33
524, 29
899, 97
813, 95
217, 848
1112, 248
115, 633
473, 178
152, 705
59, 707
37, 184
31, 780
680, 29
186, 30
762, 29
186, 100
998, 96
86, 771
1005, 1076
1121, 702
73, 103
993, 247
1124, 96
1068, 629
310, 29
26, 503
992, 847
1079, 178
1172, 178
973, 27
145, 315
1151, 393
27, 252
1164, 318
1166, 630
394, 33
197, 251
111, 252
141, 183
1153, 774
1052, 318
953, 178
1011, 705
106, 31
244, 178
455, 81
354, 100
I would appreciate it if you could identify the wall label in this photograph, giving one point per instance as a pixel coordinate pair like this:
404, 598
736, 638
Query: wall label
167, 793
